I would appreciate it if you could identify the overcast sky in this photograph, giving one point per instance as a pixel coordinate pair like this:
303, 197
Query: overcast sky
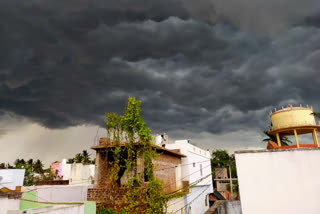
208, 70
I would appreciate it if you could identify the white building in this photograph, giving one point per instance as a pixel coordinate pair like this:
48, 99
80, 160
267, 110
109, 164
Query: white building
196, 169
76, 173
11, 178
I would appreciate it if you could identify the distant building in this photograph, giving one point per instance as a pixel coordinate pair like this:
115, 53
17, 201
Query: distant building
195, 169
165, 168
11, 180
76, 173
180, 164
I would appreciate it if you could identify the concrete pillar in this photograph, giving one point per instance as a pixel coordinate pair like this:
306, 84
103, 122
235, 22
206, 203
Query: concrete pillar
101, 167
296, 136
315, 138
278, 140
97, 178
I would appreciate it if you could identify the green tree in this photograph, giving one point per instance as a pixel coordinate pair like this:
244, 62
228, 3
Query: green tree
132, 129
2, 165
221, 159
38, 167
316, 114
93, 161
78, 158
70, 161
283, 139
86, 157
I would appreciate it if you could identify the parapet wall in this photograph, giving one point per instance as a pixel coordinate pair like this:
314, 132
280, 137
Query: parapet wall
279, 181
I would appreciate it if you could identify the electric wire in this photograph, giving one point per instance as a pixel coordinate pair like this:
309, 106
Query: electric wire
191, 200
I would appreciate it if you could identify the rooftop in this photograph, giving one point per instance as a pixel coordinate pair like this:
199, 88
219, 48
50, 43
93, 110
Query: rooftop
274, 150
175, 152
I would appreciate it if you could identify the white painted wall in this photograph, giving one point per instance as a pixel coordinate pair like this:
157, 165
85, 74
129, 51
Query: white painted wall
54, 209
201, 158
77, 173
65, 170
197, 200
279, 182
8, 204
176, 204
192, 173
63, 192
11, 178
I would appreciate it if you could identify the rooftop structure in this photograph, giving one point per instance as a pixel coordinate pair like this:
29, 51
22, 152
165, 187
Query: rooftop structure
294, 121
165, 166
179, 165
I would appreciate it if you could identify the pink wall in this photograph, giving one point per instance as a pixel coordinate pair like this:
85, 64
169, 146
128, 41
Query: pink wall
56, 166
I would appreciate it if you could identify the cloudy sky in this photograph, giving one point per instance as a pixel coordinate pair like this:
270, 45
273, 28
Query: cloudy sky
208, 70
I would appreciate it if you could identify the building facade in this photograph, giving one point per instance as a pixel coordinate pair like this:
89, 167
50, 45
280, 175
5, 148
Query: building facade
76, 173
196, 170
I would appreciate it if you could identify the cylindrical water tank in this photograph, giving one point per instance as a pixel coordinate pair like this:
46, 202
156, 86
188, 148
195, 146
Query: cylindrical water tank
292, 117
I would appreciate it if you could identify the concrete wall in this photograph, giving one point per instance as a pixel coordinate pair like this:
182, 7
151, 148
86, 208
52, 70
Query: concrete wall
11, 178
8, 204
54, 209
196, 160
89, 206
196, 202
279, 182
76, 173
66, 170
63, 193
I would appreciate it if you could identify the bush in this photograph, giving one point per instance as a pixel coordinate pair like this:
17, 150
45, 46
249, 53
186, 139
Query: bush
106, 211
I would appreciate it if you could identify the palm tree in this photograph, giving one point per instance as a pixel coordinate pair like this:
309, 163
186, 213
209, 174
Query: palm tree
78, 158
70, 161
86, 157
283, 139
38, 167
16, 162
30, 163
317, 114
22, 161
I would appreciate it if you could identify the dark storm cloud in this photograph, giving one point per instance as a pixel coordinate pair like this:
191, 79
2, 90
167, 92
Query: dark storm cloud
65, 63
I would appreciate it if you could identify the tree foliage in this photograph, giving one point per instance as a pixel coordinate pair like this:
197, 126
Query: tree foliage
83, 157
31, 167
221, 159
283, 139
132, 129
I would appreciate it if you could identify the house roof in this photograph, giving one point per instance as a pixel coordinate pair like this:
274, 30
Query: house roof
159, 149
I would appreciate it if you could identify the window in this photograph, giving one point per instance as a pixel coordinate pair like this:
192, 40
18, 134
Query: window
201, 169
